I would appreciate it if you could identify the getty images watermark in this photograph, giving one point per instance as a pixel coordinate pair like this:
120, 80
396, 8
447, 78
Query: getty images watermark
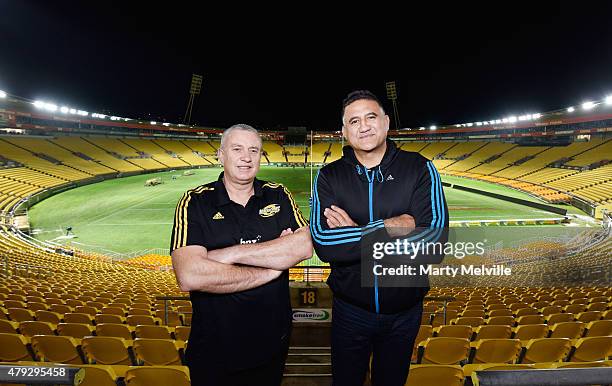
487, 256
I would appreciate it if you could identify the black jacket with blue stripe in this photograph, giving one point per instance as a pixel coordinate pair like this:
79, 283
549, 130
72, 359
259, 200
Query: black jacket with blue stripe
403, 183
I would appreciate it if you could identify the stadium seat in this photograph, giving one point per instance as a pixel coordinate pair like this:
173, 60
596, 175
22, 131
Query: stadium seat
48, 316
599, 328
435, 375
99, 375
531, 331
9, 327
77, 317
443, 351
153, 332
569, 330
588, 316
115, 329
162, 375
158, 352
14, 347
107, 350
493, 332
546, 350
75, 330
31, 328
530, 319
61, 349
134, 320
455, 331
21, 314
472, 321
496, 350
501, 321
559, 318
182, 333
500, 312
595, 348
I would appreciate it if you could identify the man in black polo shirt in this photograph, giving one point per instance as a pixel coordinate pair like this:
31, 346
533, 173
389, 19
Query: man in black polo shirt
232, 243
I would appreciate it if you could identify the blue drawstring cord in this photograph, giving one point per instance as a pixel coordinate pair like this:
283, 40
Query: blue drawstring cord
380, 176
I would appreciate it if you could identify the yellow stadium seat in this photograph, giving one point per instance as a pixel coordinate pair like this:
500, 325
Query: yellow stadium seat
14, 347
109, 318
75, 330
61, 349
31, 328
157, 375
435, 375
9, 327
496, 350
182, 333
531, 331
595, 348
599, 328
134, 320
569, 330
107, 350
472, 321
455, 331
99, 375
588, 316
158, 352
546, 350
500, 312
153, 332
444, 351
48, 316
77, 317
61, 308
493, 332
559, 318
21, 314
530, 319
114, 329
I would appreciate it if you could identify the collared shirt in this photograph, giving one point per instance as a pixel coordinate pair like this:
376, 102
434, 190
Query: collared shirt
237, 329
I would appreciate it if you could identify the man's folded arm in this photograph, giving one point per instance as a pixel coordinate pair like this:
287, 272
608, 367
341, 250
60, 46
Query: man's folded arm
195, 272
278, 254
341, 244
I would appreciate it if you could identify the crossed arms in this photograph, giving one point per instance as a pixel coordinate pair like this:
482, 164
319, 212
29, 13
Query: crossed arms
239, 267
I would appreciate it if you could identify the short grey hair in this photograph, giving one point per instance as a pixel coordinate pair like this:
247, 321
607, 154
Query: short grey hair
239, 126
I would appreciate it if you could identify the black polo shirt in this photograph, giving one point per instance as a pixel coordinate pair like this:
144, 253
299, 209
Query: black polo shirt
241, 329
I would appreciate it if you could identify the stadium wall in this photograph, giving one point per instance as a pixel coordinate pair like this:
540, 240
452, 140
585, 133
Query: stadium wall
537, 205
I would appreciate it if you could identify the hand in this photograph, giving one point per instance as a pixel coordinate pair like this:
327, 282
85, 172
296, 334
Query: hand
286, 232
337, 217
400, 225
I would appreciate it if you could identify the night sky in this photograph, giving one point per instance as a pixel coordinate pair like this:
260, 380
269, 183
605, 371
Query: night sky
451, 64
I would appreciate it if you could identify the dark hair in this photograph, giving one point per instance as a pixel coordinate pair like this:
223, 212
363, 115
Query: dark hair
359, 95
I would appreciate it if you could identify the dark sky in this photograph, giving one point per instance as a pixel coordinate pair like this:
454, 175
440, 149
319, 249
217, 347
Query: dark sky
452, 64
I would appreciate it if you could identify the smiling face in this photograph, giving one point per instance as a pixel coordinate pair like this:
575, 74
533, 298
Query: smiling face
365, 125
240, 156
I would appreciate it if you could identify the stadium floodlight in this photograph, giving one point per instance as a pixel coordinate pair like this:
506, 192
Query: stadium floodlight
82, 113
469, 124
498, 121
512, 119
608, 99
432, 127
166, 124
570, 109
421, 128
588, 105
64, 109
536, 116
50, 107
2, 94
73, 111
478, 123
153, 123
459, 125
39, 104
504, 120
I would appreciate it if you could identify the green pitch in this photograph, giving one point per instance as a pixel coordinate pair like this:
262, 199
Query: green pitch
122, 215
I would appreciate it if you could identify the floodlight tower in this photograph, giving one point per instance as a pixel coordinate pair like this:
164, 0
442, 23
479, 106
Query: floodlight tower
196, 87
392, 95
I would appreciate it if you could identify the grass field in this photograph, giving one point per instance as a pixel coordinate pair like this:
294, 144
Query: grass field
122, 215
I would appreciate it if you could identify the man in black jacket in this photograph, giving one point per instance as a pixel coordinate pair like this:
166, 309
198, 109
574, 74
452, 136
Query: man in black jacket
374, 188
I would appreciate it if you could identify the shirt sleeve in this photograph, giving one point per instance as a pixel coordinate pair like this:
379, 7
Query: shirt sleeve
188, 228
296, 218
338, 245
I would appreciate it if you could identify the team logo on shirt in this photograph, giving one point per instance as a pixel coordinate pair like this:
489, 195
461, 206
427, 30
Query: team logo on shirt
390, 178
218, 216
269, 210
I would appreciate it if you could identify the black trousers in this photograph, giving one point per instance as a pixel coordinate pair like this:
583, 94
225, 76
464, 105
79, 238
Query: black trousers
358, 333
205, 373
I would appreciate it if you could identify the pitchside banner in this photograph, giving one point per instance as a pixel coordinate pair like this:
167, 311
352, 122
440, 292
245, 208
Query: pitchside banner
486, 256
312, 315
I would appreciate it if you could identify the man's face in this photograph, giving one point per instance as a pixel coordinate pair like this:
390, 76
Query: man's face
365, 125
240, 156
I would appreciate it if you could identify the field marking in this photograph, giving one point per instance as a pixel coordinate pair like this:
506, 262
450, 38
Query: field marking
138, 224
130, 206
